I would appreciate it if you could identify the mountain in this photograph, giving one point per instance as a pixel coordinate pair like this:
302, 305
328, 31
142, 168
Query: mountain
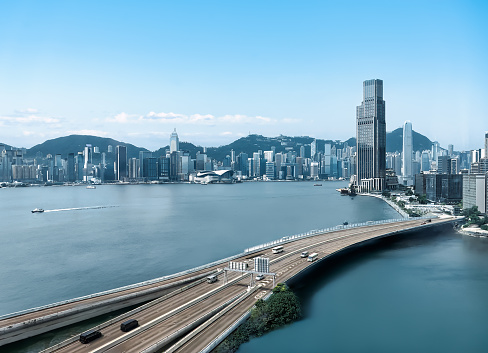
7, 147
394, 141
248, 144
76, 143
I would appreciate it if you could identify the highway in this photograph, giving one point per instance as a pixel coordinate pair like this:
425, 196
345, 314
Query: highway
194, 316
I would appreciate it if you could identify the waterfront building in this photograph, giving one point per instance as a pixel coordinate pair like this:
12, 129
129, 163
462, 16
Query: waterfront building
371, 138
256, 165
313, 150
120, 166
440, 187
269, 156
270, 170
327, 160
174, 142
475, 191
314, 170
278, 162
70, 163
407, 173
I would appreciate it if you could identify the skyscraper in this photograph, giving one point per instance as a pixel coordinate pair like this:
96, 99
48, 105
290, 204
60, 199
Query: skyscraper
486, 144
407, 154
120, 165
371, 138
313, 149
174, 142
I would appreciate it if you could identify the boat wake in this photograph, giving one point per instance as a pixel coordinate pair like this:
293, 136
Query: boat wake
79, 208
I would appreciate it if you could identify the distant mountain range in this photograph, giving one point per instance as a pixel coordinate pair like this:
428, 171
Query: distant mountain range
248, 144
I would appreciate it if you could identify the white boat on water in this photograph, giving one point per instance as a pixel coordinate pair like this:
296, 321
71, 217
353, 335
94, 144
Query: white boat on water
91, 187
37, 210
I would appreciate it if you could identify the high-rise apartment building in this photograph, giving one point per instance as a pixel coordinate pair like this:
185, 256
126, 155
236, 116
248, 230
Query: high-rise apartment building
371, 138
407, 154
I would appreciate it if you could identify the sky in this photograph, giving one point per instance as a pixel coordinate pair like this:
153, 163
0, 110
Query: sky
219, 70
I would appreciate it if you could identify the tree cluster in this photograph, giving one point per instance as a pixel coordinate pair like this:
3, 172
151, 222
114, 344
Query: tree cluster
283, 307
473, 216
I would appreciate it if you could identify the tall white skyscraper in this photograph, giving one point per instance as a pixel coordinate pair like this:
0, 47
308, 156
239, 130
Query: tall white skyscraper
407, 154
174, 142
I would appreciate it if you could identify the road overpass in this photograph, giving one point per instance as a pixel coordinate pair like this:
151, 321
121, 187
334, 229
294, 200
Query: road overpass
188, 314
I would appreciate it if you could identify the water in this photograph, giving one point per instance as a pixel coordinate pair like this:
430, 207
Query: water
422, 293
405, 295
119, 235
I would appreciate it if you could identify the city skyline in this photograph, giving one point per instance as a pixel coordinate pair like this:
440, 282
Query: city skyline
217, 72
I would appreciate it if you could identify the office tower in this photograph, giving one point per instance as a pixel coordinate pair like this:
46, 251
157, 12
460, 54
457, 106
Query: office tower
71, 167
174, 142
270, 170
486, 144
313, 149
435, 150
371, 138
327, 159
450, 150
139, 173
278, 163
120, 166
425, 161
269, 156
407, 154
302, 151
88, 155
256, 164
443, 165
243, 164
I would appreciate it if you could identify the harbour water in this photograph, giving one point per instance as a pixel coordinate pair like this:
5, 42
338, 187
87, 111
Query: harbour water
424, 293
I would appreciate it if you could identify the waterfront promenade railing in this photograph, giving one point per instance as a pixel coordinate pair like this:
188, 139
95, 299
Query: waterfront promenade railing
283, 240
315, 232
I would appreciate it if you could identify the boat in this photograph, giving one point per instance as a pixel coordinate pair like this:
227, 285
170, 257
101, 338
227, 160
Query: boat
345, 223
37, 210
317, 184
91, 187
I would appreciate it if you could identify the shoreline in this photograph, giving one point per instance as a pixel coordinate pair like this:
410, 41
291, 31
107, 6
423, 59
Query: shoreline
390, 203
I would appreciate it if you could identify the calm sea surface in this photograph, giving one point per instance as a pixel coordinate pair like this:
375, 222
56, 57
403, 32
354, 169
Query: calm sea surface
424, 294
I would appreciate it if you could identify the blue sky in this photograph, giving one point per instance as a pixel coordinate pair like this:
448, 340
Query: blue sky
219, 70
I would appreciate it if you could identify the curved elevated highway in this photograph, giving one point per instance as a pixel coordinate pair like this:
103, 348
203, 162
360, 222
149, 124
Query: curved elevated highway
192, 313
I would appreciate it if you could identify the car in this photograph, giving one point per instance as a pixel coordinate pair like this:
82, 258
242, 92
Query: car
304, 254
259, 277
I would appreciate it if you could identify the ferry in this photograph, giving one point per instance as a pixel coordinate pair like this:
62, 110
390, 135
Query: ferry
317, 184
91, 187
37, 210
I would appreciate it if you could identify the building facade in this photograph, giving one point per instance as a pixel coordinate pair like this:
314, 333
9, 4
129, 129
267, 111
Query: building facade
407, 173
371, 138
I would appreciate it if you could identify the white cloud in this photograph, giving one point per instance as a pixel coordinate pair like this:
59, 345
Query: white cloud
195, 119
29, 119
121, 118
